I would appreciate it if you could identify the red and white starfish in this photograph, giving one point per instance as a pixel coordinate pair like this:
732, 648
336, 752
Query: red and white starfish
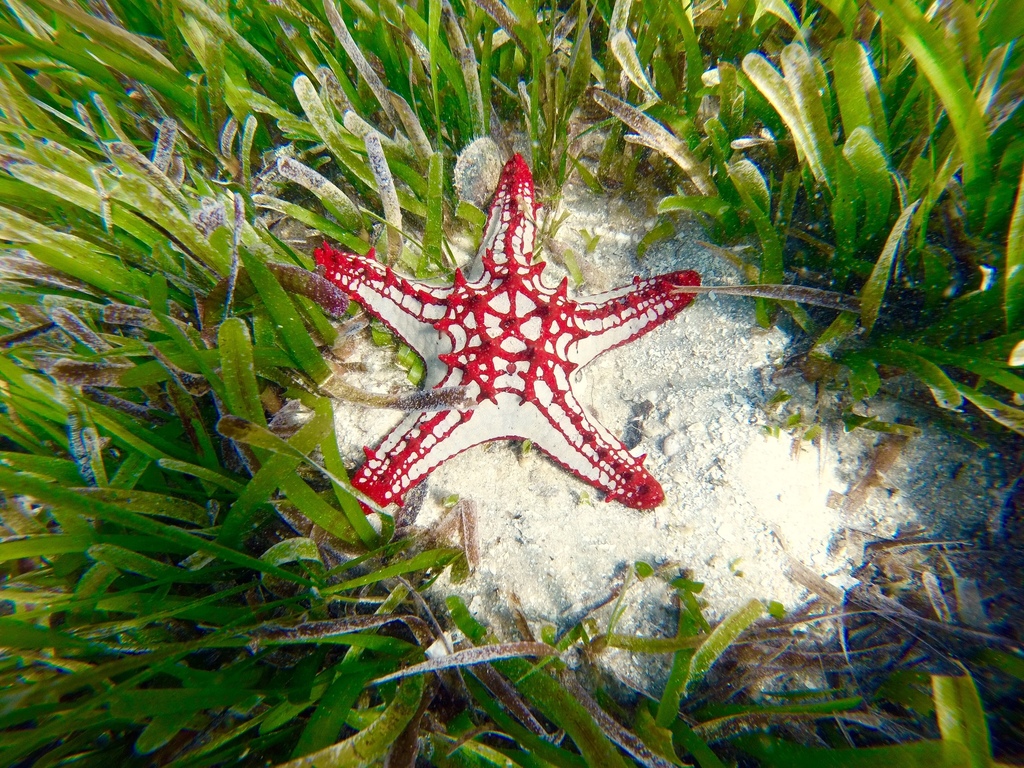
514, 343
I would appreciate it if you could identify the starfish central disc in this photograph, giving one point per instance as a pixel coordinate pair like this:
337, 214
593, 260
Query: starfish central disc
503, 336
514, 343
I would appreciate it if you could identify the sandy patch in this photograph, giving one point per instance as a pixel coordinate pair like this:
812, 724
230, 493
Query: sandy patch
739, 501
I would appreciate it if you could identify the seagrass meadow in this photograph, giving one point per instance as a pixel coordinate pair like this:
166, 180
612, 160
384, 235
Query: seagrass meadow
186, 574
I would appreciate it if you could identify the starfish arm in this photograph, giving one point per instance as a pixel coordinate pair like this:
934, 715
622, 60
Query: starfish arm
417, 446
407, 307
510, 231
615, 318
560, 427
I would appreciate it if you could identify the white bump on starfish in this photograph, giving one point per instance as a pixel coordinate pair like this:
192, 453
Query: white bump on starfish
561, 343
524, 305
560, 379
500, 303
458, 338
513, 345
508, 381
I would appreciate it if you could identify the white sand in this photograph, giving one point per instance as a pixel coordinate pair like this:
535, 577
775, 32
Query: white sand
738, 502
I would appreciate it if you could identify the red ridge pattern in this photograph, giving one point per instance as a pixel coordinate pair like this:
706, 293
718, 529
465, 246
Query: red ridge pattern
514, 343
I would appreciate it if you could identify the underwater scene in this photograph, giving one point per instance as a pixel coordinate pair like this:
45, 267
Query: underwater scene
498, 383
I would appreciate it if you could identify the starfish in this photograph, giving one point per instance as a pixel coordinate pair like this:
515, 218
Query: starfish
514, 343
